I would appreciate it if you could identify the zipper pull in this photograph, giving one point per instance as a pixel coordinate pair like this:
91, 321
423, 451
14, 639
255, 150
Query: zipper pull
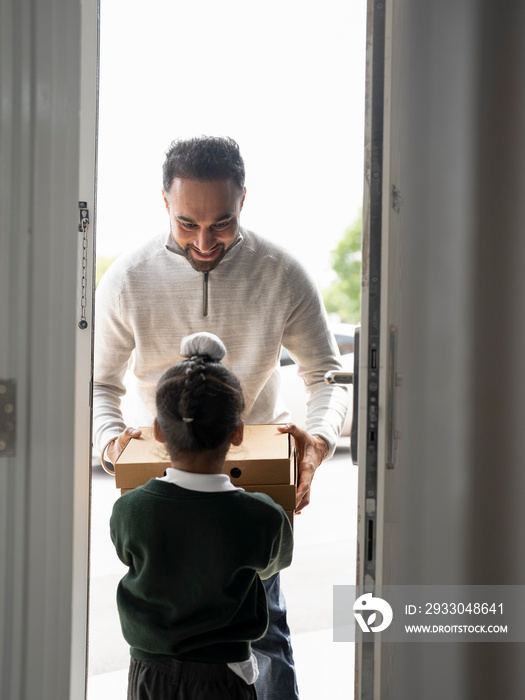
205, 295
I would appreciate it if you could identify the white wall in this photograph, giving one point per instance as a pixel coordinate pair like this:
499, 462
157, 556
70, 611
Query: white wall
461, 511
39, 186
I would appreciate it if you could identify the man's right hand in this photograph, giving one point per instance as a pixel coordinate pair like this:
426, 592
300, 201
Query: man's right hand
115, 448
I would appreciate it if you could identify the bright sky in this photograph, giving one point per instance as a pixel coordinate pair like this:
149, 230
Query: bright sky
284, 78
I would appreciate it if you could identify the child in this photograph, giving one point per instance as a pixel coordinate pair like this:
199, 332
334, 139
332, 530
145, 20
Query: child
196, 546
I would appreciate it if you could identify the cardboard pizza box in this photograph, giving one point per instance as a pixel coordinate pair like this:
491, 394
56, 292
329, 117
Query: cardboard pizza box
283, 494
265, 456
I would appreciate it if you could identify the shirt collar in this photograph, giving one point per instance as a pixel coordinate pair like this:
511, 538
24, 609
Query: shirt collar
208, 483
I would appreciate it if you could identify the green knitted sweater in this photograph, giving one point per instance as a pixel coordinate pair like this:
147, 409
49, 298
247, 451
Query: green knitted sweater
193, 590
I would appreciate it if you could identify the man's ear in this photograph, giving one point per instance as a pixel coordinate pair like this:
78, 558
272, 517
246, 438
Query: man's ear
165, 201
243, 198
238, 435
157, 432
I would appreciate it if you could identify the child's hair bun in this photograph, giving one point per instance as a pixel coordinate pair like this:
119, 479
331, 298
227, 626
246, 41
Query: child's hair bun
204, 344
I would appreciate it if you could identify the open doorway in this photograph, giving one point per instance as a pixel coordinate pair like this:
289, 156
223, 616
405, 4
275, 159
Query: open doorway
286, 81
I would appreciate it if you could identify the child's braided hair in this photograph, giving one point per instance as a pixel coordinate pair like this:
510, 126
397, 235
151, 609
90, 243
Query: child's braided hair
199, 401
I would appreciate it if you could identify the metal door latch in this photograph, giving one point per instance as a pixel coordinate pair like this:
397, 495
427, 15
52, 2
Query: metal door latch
339, 377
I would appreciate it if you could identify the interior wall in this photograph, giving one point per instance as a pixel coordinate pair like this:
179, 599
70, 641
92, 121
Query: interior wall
40, 71
496, 517
464, 250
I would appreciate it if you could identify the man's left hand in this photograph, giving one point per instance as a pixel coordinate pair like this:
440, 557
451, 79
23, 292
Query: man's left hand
311, 451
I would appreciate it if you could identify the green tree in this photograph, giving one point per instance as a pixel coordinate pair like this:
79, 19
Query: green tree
343, 296
101, 266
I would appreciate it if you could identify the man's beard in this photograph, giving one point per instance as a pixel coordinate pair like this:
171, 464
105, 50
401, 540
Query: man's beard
204, 265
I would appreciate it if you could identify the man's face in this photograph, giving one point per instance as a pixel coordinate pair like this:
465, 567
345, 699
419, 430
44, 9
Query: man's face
204, 218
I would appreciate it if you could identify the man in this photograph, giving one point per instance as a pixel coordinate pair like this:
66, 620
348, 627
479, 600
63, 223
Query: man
210, 274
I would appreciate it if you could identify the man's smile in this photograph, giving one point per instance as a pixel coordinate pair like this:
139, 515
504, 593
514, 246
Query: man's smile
210, 255
204, 262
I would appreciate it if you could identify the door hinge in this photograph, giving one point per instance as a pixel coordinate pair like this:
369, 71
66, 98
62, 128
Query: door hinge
397, 199
7, 417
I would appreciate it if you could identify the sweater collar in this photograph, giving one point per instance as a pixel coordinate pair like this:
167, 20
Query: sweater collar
208, 483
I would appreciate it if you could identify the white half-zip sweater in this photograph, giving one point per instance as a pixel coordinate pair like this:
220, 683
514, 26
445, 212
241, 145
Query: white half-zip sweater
256, 299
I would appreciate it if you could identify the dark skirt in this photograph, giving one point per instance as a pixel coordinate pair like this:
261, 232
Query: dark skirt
171, 679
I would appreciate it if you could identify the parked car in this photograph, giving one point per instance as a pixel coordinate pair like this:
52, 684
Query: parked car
293, 391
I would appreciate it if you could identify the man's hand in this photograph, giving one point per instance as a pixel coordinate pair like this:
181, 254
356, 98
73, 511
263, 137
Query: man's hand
115, 448
311, 452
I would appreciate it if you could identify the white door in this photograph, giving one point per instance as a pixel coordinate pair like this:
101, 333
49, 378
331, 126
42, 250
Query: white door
445, 158
46, 168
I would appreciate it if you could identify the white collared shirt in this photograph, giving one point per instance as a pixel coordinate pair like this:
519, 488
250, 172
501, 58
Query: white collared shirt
207, 483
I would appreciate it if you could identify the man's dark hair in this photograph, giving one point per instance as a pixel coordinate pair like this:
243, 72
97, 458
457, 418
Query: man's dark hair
203, 158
